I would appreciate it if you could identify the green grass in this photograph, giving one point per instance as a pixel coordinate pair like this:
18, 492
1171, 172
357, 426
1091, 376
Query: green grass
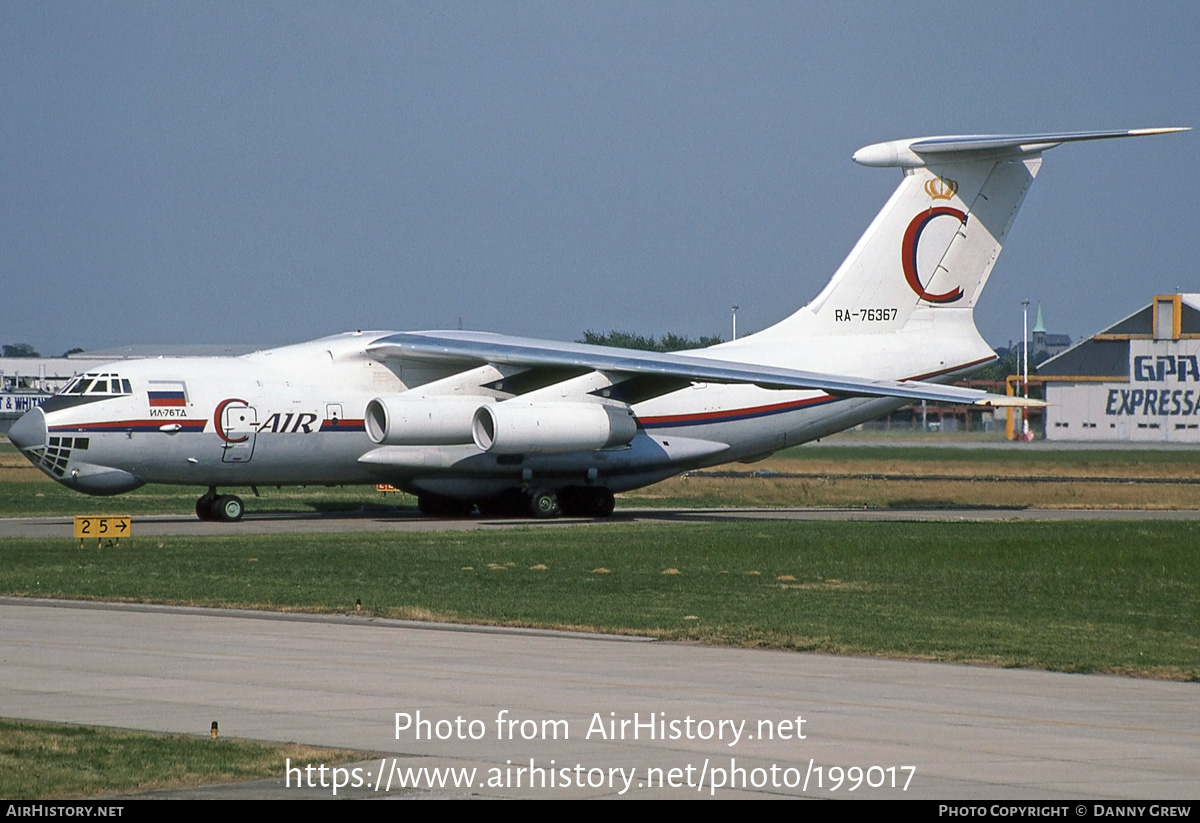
1115, 597
46, 760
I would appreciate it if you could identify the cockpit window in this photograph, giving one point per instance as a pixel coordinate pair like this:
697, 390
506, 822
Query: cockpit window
108, 385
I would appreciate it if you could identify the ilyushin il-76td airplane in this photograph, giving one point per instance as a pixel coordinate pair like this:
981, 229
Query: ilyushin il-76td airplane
513, 425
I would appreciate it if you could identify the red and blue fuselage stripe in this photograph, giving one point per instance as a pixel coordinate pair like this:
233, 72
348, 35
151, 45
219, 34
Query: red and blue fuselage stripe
331, 425
728, 415
131, 426
701, 418
185, 426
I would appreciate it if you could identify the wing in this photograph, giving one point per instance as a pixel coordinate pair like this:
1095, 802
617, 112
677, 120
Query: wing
649, 374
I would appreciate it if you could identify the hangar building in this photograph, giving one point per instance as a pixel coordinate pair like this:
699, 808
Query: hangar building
1137, 380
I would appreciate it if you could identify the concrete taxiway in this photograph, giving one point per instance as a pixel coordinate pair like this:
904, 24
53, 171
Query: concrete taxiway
966, 732
411, 520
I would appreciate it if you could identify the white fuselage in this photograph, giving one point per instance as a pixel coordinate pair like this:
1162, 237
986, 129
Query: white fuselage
295, 416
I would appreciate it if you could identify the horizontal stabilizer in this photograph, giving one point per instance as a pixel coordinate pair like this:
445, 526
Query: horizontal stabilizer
921, 151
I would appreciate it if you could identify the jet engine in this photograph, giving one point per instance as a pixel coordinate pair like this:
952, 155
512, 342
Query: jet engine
551, 428
402, 420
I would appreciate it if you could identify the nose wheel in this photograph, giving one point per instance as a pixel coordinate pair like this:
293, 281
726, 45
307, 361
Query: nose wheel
226, 508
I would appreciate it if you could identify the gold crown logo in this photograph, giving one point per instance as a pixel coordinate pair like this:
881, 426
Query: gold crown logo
941, 188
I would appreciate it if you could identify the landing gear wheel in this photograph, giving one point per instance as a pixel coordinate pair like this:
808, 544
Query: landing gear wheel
434, 505
508, 503
573, 502
602, 502
204, 505
227, 508
544, 505
586, 501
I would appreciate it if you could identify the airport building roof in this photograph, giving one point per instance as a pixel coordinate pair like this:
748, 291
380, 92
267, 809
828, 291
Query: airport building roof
144, 350
1106, 353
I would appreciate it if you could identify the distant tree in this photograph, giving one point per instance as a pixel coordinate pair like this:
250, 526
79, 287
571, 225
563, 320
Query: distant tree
1008, 364
629, 340
19, 350
70, 352
1000, 369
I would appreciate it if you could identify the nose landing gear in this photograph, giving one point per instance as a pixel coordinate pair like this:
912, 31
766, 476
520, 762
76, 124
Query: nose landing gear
226, 508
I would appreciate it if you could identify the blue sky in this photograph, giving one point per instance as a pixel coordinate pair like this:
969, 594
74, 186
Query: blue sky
274, 172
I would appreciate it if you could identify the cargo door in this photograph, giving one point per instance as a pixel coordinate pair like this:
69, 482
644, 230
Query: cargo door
239, 422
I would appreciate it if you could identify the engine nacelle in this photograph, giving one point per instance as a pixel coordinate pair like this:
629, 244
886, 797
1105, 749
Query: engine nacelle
402, 420
513, 427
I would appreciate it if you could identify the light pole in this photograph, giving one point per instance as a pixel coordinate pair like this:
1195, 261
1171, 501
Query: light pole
1025, 345
1025, 366
734, 309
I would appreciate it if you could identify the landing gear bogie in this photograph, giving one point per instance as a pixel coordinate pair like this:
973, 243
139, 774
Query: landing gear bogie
510, 503
587, 501
434, 505
226, 508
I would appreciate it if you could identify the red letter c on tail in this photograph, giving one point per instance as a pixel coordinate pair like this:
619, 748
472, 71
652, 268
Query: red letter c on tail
908, 253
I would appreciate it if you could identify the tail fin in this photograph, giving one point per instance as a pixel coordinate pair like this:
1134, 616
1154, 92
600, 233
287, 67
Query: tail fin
931, 249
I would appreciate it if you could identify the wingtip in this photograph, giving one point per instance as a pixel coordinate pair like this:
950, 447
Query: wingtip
1000, 401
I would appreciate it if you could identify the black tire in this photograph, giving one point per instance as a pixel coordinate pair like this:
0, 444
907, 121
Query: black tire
586, 501
227, 508
509, 503
603, 502
574, 502
434, 505
204, 507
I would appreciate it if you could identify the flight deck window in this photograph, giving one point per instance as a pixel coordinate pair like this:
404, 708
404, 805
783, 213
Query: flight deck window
98, 384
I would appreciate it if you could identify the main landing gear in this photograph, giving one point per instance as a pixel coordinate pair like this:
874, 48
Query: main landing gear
227, 508
434, 505
587, 501
573, 501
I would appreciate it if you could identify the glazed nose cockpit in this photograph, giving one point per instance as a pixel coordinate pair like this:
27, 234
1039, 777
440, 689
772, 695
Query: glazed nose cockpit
50, 454
65, 452
29, 432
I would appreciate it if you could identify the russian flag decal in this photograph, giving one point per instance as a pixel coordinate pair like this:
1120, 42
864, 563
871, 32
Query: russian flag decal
163, 393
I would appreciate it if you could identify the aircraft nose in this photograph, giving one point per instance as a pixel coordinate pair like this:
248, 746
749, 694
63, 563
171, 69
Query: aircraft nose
29, 432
